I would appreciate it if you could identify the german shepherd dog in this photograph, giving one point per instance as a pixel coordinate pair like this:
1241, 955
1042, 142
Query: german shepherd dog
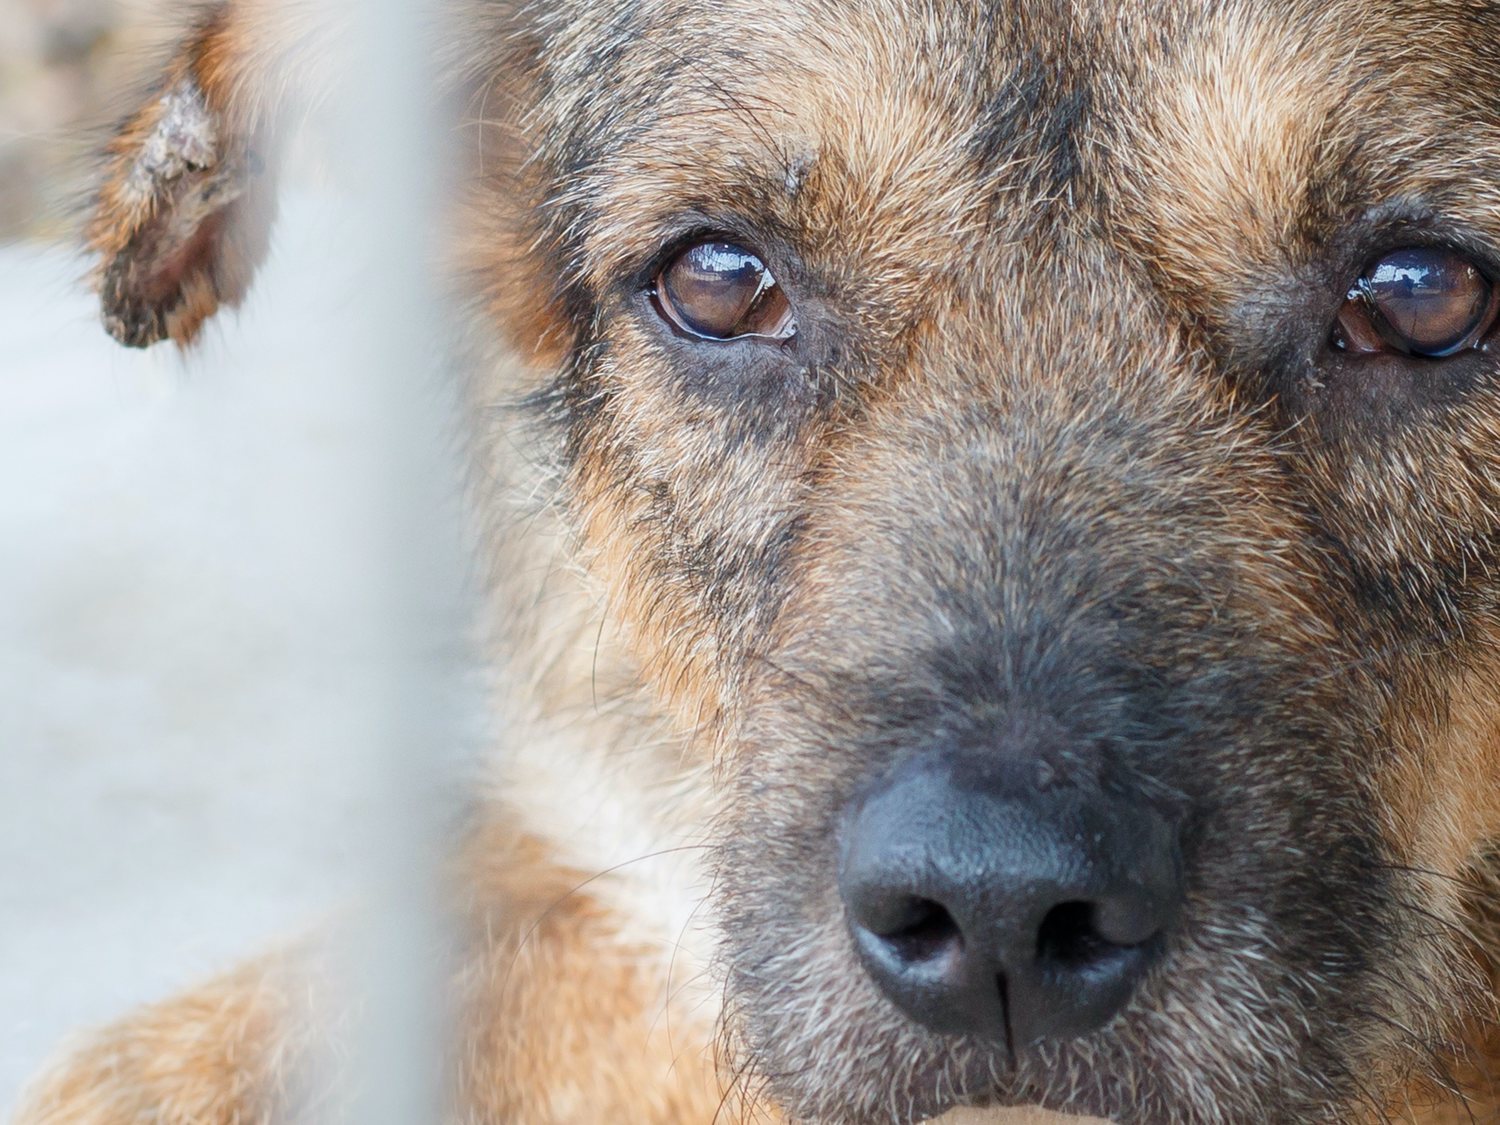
997, 503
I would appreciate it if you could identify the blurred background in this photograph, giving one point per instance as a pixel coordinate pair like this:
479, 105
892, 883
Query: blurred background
186, 720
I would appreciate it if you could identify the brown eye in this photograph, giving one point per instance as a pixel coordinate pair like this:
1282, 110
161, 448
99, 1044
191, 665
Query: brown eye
1420, 301
719, 291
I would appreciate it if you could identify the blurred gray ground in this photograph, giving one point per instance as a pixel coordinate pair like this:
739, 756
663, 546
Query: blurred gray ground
176, 787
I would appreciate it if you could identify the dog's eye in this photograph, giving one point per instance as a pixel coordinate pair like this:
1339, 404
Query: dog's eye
1420, 301
719, 291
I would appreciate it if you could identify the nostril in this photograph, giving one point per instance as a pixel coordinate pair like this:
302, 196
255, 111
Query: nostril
1070, 937
918, 929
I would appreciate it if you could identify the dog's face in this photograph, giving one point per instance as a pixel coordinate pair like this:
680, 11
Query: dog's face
1049, 454
1089, 407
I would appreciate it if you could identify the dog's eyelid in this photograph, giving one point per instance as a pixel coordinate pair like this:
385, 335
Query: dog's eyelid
644, 248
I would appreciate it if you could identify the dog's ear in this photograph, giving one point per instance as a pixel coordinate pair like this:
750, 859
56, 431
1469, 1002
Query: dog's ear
183, 213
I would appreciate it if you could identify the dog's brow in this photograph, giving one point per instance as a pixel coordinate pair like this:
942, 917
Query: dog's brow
652, 190
1039, 109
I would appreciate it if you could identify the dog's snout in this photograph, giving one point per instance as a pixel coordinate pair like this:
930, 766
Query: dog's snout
1013, 913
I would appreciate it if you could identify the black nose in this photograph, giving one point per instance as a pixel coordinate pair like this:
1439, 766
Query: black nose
989, 908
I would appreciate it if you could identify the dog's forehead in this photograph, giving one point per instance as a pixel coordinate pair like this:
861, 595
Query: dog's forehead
914, 132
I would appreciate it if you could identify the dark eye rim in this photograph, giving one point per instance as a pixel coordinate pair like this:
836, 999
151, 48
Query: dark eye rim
1478, 340
650, 290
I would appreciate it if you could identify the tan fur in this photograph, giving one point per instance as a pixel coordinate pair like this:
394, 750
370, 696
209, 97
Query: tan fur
570, 1018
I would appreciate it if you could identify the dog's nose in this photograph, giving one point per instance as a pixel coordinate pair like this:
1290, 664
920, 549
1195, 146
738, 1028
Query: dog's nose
1001, 910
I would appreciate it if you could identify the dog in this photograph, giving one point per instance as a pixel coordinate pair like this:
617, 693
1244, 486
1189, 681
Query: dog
997, 507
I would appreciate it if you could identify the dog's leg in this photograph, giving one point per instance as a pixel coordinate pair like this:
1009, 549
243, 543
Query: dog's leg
224, 1053
560, 1021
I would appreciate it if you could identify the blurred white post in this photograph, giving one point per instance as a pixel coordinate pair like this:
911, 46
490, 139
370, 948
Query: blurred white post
390, 153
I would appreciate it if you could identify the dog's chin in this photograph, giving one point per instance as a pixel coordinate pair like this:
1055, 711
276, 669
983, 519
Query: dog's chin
1021, 1115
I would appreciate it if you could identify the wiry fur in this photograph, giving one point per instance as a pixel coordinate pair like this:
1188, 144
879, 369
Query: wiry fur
1061, 441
